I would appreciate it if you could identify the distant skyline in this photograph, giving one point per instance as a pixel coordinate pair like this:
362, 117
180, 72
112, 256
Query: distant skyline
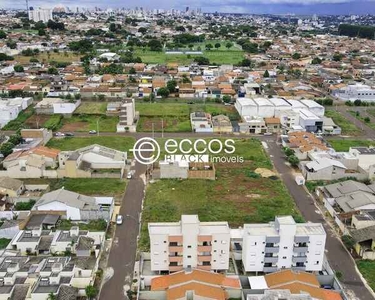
337, 7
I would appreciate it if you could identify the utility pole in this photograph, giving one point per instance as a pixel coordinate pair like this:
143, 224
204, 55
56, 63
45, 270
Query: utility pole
97, 126
162, 127
27, 8
153, 133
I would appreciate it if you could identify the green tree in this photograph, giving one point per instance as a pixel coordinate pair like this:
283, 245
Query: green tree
52, 296
132, 71
171, 86
296, 55
41, 32
316, 61
229, 45
227, 98
266, 74
357, 102
12, 44
288, 152
217, 45
209, 46
337, 57
18, 68
52, 71
293, 160
91, 291
164, 92
3, 35
142, 30
155, 45
367, 120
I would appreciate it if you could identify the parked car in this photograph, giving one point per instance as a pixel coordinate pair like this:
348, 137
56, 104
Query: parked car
59, 134
267, 133
69, 134
92, 132
119, 219
130, 175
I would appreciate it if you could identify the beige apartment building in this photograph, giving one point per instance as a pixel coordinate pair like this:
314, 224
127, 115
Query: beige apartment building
189, 244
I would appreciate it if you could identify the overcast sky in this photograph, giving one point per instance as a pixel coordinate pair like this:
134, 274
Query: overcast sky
245, 6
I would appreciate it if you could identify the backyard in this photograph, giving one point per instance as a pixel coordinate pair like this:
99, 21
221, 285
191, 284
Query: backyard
237, 196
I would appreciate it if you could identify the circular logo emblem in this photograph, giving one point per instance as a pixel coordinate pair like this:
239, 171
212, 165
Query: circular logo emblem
146, 151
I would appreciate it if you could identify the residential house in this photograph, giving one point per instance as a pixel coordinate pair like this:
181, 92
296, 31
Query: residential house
49, 106
222, 124
201, 122
11, 187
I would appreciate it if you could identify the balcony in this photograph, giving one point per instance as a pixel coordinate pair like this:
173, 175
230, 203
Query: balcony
299, 259
274, 249
300, 268
301, 239
175, 268
175, 239
204, 238
206, 268
269, 269
273, 239
202, 258
299, 249
177, 258
204, 248
272, 259
175, 248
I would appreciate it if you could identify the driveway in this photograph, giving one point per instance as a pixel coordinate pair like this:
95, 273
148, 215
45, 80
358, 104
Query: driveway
338, 257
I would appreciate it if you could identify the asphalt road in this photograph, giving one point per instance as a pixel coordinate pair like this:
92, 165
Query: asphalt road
338, 257
124, 247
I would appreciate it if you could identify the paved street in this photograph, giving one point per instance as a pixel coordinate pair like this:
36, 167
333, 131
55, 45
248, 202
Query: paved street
124, 247
338, 257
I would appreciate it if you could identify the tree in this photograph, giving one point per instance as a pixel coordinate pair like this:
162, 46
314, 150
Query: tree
209, 47
91, 291
266, 74
55, 25
201, 60
227, 98
112, 27
3, 35
132, 71
367, 120
12, 44
357, 102
296, 55
247, 63
293, 160
229, 45
18, 68
39, 25
155, 45
171, 86
164, 92
41, 32
51, 296
52, 71
337, 57
288, 152
316, 61
6, 148
142, 30
180, 28
217, 45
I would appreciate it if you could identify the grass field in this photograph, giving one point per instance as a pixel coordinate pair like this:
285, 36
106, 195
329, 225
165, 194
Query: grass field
347, 127
367, 269
175, 117
236, 196
92, 108
85, 186
72, 143
344, 145
4, 243
52, 56
362, 117
86, 122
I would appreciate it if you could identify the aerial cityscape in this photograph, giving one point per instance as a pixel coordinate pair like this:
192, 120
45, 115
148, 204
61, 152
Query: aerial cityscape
172, 150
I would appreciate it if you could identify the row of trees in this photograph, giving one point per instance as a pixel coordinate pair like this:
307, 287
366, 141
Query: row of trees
357, 31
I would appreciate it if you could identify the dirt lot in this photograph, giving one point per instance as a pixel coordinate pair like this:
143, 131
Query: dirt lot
76, 126
36, 121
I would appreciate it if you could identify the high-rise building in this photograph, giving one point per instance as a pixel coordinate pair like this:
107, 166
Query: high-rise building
40, 14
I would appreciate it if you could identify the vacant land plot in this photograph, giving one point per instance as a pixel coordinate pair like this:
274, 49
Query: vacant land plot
48, 57
85, 186
95, 108
20, 120
72, 143
90, 122
367, 269
51, 122
344, 145
176, 116
362, 118
237, 196
347, 127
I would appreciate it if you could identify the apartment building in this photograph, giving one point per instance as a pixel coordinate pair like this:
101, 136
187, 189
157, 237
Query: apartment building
189, 244
127, 115
283, 244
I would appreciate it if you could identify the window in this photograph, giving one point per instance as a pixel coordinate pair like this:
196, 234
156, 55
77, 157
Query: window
284, 257
223, 252
316, 263
253, 243
285, 247
189, 246
189, 256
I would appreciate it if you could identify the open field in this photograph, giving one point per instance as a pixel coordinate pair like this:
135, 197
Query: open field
367, 269
85, 186
234, 197
89, 122
72, 143
362, 117
344, 145
92, 108
52, 56
52, 122
176, 116
346, 126
237, 196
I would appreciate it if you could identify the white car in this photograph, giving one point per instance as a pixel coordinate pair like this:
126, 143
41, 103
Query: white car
59, 134
119, 219
130, 175
92, 132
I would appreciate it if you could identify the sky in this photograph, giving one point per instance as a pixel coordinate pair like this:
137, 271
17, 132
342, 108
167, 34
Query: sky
228, 6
